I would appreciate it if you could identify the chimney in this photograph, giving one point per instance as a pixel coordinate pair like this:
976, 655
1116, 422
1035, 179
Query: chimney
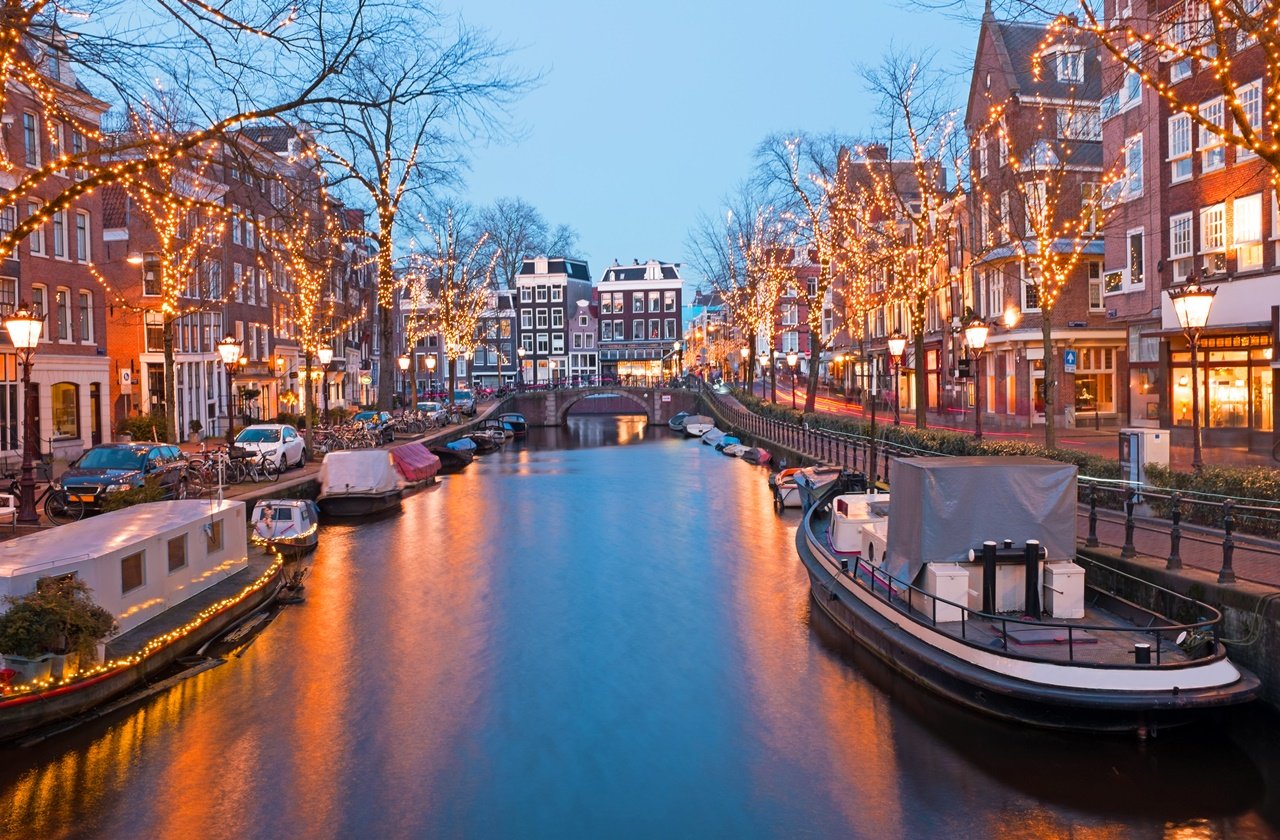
877, 151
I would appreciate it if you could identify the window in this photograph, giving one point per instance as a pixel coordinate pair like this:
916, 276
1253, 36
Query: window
62, 302
177, 552
982, 156
132, 572
1250, 97
60, 234
557, 294
1213, 152
557, 319
40, 302
583, 320
235, 224
65, 397
1180, 70
1131, 88
606, 304
1181, 246
82, 237
1089, 195
1002, 144
655, 329
557, 343
577, 341
57, 143
543, 344
526, 342
213, 536
619, 331
542, 319
8, 299
154, 328
526, 319
655, 301
86, 317
1213, 230
540, 294
77, 151
637, 329
1095, 287
1137, 261
668, 301
1070, 65
1004, 217
669, 328
1030, 287
1130, 183
526, 294
30, 139
1079, 123
150, 275
36, 239
1247, 229
1180, 147
637, 301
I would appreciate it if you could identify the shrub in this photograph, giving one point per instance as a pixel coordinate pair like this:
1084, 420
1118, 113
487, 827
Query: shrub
58, 617
150, 491
144, 427
1247, 485
288, 419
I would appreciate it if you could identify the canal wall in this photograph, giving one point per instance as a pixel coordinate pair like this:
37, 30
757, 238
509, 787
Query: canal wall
1250, 611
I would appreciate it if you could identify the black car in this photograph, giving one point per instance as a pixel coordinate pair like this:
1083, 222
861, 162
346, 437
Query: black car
378, 422
113, 467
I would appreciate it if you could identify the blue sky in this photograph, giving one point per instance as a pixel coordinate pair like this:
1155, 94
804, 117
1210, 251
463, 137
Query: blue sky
648, 112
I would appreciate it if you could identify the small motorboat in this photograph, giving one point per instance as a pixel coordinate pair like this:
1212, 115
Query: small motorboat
735, 450
286, 524
696, 425
785, 492
515, 421
495, 426
727, 440
416, 465
454, 455
487, 441
815, 482
756, 455
359, 482
677, 422
713, 436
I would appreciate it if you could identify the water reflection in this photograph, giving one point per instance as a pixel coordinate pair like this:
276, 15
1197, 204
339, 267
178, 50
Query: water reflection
600, 631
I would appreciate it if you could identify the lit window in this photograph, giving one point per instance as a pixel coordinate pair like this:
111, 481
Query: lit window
1180, 147
1250, 97
1247, 227
1181, 246
1213, 153
1213, 230
65, 397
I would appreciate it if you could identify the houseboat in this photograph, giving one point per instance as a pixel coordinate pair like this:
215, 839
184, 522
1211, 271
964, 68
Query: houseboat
174, 574
986, 602
359, 482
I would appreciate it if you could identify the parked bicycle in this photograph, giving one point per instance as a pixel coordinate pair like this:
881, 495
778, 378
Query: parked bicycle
59, 508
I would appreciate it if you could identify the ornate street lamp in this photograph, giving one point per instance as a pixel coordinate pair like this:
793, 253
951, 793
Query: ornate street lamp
1192, 302
792, 358
975, 335
745, 352
325, 355
24, 328
677, 347
897, 346
403, 362
229, 349
520, 351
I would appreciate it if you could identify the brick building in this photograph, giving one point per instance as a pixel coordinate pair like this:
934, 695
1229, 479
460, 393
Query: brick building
548, 291
640, 319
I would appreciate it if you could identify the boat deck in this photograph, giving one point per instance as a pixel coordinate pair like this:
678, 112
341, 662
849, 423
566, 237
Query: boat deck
178, 615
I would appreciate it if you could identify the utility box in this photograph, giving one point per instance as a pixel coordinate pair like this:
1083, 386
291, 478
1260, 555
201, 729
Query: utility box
948, 581
1064, 590
1139, 447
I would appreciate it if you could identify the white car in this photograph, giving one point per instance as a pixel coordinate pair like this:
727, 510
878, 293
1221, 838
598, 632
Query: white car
280, 443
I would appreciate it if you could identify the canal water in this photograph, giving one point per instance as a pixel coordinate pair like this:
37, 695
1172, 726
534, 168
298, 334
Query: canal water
601, 632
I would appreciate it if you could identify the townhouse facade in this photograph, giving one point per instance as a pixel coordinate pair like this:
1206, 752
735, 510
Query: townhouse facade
640, 318
547, 293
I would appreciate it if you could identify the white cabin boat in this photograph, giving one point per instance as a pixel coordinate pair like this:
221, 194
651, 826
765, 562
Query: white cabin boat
359, 482
292, 524
696, 425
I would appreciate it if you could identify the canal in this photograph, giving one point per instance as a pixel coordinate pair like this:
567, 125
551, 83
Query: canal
600, 632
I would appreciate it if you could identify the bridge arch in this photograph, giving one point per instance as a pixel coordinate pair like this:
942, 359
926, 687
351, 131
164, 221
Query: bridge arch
568, 399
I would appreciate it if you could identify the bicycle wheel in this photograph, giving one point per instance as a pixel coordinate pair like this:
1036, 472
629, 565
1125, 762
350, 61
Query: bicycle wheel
60, 509
270, 469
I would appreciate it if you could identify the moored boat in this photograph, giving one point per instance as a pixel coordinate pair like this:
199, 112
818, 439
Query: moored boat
734, 450
292, 525
359, 482
452, 460
713, 436
1013, 628
696, 425
677, 421
726, 441
416, 464
783, 484
813, 481
496, 426
487, 441
757, 455
519, 426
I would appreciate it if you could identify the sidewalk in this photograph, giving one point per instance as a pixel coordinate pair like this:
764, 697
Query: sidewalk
1102, 442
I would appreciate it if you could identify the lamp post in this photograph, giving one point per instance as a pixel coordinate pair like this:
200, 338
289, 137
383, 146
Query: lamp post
875, 390
520, 351
24, 328
897, 346
1192, 303
792, 358
975, 335
229, 349
431, 366
403, 362
677, 347
325, 355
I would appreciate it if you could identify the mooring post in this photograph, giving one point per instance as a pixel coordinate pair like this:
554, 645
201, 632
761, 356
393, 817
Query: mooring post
1092, 539
1228, 574
1175, 532
1128, 550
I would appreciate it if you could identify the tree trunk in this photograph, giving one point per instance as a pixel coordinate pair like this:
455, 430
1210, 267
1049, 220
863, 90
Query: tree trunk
385, 296
308, 407
1050, 378
171, 387
922, 382
453, 381
811, 396
413, 380
773, 379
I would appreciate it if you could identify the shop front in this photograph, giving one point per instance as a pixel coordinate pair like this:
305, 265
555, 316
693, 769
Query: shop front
1236, 382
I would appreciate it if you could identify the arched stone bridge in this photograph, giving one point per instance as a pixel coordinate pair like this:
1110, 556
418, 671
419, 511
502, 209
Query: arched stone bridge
550, 408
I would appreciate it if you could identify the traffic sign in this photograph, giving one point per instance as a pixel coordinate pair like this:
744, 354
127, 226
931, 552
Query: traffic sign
1069, 360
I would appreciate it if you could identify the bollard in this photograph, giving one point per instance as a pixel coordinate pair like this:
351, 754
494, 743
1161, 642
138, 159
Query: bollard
1031, 592
1127, 550
1141, 653
989, 577
1092, 539
1175, 532
1228, 574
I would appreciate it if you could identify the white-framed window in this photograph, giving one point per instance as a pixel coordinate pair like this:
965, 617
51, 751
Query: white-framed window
1005, 231
1030, 286
1095, 286
544, 344
1250, 97
1181, 246
1247, 229
557, 319
1180, 147
1136, 239
30, 139
526, 294
1180, 70
1035, 208
1131, 87
541, 321
577, 341
57, 143
235, 224
1131, 185
557, 294
85, 317
540, 294
1070, 65
84, 251
60, 234
35, 241
78, 148
1002, 144
526, 319
1213, 152
526, 342
1091, 206
982, 155
619, 330
62, 302
557, 342
1213, 228
637, 329
40, 302
1079, 123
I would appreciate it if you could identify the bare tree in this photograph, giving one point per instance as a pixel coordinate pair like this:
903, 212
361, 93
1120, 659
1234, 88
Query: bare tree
517, 230
395, 133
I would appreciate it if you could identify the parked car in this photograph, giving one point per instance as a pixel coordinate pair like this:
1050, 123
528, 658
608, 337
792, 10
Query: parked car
435, 411
464, 401
278, 442
379, 422
115, 467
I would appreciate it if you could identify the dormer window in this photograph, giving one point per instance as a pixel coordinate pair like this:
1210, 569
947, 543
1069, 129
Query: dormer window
1070, 66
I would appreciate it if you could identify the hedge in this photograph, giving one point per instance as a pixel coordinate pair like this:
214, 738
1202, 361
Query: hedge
144, 427
1245, 485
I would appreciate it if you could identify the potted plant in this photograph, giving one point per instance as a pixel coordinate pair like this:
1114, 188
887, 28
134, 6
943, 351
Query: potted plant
196, 427
51, 631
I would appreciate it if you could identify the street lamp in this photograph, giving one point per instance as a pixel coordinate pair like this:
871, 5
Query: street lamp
24, 328
975, 335
897, 346
677, 347
521, 352
792, 358
229, 349
1192, 303
325, 355
745, 352
403, 362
